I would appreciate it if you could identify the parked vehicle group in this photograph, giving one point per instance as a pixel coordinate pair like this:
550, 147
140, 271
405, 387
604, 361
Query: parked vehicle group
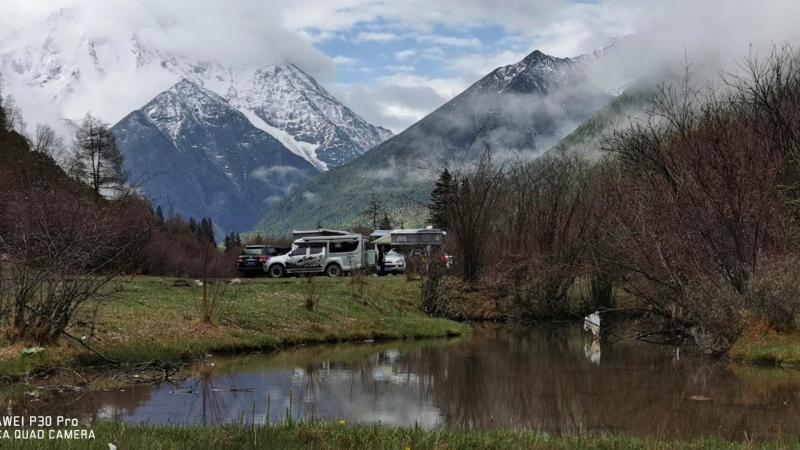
332, 253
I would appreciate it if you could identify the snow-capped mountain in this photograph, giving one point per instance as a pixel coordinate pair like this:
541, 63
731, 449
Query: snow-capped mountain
196, 155
64, 72
518, 111
287, 101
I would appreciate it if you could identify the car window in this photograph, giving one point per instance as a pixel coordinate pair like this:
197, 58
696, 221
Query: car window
301, 250
343, 246
253, 250
316, 249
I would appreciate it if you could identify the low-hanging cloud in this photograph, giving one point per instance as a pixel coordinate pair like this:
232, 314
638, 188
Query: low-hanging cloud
234, 32
84, 52
711, 33
260, 32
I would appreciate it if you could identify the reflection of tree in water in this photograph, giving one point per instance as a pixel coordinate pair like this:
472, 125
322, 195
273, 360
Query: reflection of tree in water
108, 404
503, 377
314, 377
541, 379
212, 404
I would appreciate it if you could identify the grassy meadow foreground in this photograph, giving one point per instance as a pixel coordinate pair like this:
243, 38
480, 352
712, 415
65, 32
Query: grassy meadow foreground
159, 319
332, 436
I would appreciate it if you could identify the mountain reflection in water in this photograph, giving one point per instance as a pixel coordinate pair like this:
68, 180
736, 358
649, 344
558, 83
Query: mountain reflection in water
549, 379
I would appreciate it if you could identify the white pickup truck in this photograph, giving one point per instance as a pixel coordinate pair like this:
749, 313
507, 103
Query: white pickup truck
331, 255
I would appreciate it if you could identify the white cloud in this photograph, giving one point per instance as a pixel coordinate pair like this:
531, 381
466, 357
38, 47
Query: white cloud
451, 41
87, 48
370, 36
566, 27
265, 31
444, 87
401, 68
340, 60
711, 30
232, 32
476, 65
426, 53
404, 55
274, 173
392, 105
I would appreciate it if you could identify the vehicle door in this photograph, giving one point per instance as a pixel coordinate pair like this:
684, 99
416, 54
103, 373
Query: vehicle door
296, 257
316, 255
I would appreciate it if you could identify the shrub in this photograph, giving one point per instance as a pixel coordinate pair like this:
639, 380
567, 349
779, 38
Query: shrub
313, 293
175, 250
774, 295
61, 252
359, 288
215, 298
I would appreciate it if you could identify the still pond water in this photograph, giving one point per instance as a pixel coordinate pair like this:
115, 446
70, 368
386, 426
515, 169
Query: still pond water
550, 379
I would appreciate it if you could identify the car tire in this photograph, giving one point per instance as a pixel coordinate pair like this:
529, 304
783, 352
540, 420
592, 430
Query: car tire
333, 270
276, 271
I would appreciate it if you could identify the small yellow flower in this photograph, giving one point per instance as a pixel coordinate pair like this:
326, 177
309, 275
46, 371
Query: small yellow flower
342, 422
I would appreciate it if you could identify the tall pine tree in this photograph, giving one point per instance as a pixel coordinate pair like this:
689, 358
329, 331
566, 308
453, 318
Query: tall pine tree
438, 210
386, 223
232, 241
205, 231
159, 215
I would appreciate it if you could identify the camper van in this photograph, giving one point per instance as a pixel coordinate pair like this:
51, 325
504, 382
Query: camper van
332, 255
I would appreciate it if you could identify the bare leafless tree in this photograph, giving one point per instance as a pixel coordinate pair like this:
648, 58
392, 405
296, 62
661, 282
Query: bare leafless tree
473, 206
47, 141
12, 115
61, 252
374, 211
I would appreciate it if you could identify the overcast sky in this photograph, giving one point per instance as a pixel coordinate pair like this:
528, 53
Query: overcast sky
394, 61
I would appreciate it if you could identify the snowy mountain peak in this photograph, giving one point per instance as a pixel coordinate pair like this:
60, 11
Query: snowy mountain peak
535, 73
59, 72
202, 157
536, 56
320, 128
190, 91
184, 101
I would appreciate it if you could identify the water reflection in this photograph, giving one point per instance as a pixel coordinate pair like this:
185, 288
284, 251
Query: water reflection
592, 351
551, 379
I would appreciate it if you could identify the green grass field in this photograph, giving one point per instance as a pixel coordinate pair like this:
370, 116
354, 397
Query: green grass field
149, 318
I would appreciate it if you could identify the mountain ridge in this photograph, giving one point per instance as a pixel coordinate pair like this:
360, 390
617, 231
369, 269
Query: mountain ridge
198, 156
52, 76
519, 111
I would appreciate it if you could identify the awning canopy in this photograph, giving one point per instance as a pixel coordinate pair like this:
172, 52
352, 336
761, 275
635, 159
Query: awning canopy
383, 240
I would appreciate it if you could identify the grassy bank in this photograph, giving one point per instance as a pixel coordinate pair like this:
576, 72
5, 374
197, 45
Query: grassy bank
150, 318
768, 348
340, 436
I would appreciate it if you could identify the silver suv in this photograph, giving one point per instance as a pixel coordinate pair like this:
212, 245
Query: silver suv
331, 255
